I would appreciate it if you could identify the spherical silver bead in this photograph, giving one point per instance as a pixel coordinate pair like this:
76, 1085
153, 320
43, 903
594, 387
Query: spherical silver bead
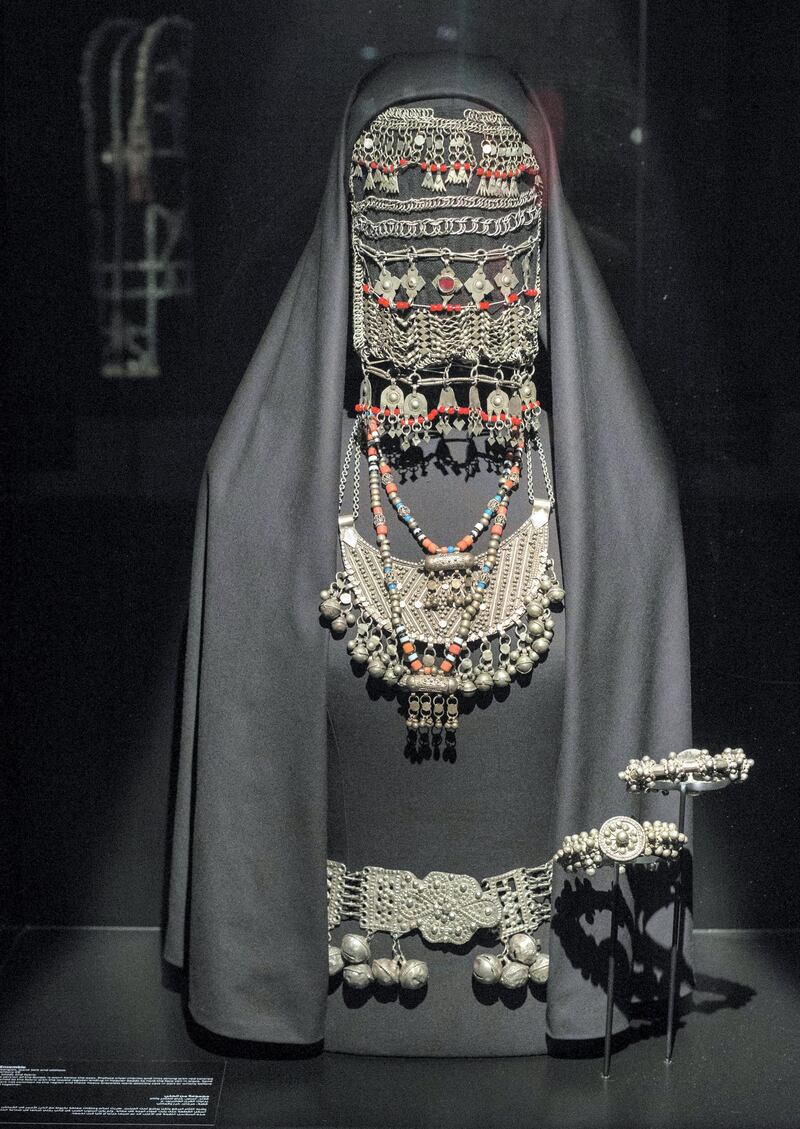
413, 975
386, 971
330, 609
487, 968
534, 609
335, 960
376, 669
339, 625
523, 948
540, 646
358, 975
535, 627
539, 969
355, 949
502, 677
484, 681
468, 688
524, 666
514, 975
556, 594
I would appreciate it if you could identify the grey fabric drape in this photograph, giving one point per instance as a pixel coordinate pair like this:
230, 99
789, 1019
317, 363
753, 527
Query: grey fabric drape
247, 894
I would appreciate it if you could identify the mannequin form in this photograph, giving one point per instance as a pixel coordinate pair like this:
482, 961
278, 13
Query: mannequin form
277, 731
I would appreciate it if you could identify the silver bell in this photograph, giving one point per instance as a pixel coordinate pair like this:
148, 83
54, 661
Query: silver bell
502, 677
523, 948
524, 665
335, 960
386, 971
339, 625
539, 970
514, 975
355, 949
484, 681
330, 609
358, 975
487, 968
556, 594
413, 974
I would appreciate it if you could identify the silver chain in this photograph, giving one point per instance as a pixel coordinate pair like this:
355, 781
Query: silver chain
348, 458
548, 482
447, 225
482, 255
437, 203
356, 485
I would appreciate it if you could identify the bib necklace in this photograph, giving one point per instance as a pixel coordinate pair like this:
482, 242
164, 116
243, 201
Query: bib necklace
454, 624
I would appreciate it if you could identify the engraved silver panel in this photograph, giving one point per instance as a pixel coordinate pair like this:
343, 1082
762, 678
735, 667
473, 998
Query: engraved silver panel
445, 908
521, 560
336, 879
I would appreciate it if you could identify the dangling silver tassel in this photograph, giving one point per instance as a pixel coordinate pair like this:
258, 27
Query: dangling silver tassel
475, 425
438, 183
365, 392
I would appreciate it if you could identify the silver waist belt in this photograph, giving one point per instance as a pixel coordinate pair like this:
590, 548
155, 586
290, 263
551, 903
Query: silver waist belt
444, 908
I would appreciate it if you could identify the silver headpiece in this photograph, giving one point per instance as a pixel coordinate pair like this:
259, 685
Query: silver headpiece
446, 233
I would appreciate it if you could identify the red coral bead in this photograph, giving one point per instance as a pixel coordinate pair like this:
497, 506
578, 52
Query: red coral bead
484, 305
436, 307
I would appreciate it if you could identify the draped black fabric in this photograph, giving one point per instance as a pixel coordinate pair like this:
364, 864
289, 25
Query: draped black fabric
247, 899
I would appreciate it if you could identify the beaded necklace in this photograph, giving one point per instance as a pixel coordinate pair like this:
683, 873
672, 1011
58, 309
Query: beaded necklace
453, 600
436, 677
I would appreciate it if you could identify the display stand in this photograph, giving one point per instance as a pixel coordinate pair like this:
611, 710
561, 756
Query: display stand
612, 968
689, 773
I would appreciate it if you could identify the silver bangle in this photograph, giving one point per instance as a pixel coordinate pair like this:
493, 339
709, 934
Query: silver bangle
696, 770
620, 840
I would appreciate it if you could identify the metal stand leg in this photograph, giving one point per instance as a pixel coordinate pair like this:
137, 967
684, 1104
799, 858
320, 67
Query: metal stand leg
612, 967
677, 935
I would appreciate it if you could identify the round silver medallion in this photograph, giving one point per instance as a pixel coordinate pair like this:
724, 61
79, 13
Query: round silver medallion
622, 839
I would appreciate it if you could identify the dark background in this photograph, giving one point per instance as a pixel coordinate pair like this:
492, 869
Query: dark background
694, 230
